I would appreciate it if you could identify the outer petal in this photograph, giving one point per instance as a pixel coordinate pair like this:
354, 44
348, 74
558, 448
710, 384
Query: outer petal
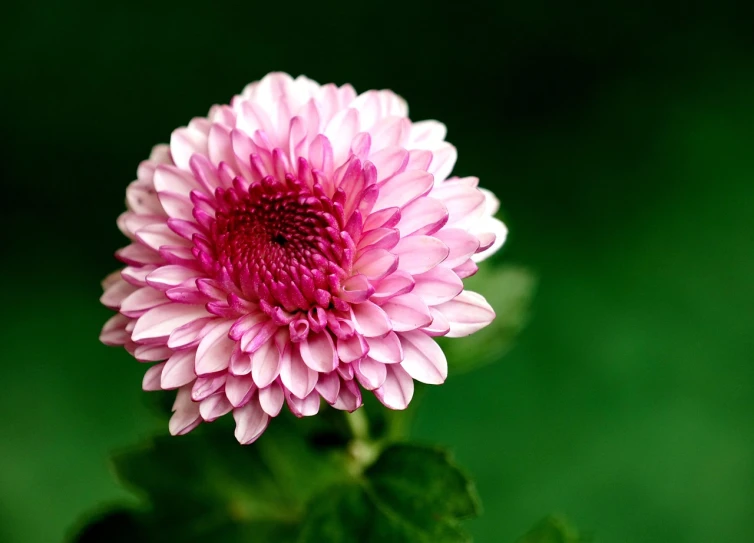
318, 352
271, 399
159, 322
186, 415
424, 359
251, 421
397, 390
295, 374
467, 313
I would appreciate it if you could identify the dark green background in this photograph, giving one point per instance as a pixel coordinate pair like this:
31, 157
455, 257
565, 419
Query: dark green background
619, 139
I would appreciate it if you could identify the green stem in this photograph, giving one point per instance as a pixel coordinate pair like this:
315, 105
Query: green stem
359, 424
362, 449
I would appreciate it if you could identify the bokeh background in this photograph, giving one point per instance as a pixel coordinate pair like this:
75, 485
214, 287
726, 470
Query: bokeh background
619, 138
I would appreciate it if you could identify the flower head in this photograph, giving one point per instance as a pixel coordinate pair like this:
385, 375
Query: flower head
303, 242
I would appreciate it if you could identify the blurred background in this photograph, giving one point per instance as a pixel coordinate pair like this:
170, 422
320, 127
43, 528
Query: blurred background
619, 139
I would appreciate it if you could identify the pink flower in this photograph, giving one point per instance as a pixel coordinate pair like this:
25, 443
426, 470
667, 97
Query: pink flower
302, 242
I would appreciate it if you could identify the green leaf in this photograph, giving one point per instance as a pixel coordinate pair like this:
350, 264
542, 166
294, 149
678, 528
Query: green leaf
411, 494
509, 290
340, 514
206, 483
201, 477
422, 482
552, 529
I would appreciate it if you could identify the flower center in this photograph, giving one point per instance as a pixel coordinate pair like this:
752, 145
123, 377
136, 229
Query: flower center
281, 243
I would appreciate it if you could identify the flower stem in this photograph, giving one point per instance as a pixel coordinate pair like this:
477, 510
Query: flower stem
359, 424
362, 449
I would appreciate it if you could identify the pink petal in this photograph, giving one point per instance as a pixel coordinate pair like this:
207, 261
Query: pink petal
219, 147
386, 349
178, 370
189, 334
204, 387
352, 348
439, 325
424, 359
137, 276
397, 390
465, 204
376, 264
499, 232
407, 312
240, 362
246, 323
356, 289
422, 216
184, 142
186, 415
305, 407
418, 254
295, 374
370, 373
215, 348
171, 179
214, 407
318, 352
138, 254
117, 292
151, 379
392, 130
159, 322
428, 132
177, 206
251, 421
467, 313
349, 397
157, 236
437, 285
378, 238
461, 245
142, 300
271, 399
397, 283
443, 159
403, 189
389, 161
467, 269
385, 218
321, 155
152, 353
419, 159
328, 386
238, 389
340, 131
370, 320
114, 332
257, 336
265, 364
173, 275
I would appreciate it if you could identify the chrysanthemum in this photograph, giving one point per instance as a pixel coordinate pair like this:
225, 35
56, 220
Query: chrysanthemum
303, 242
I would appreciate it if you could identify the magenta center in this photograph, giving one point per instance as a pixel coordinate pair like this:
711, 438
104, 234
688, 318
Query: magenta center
280, 244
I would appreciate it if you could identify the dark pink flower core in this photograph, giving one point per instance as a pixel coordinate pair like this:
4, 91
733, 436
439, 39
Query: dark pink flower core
282, 244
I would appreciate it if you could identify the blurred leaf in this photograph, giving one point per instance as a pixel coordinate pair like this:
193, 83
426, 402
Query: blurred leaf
340, 514
411, 494
116, 526
509, 290
423, 483
205, 483
552, 529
